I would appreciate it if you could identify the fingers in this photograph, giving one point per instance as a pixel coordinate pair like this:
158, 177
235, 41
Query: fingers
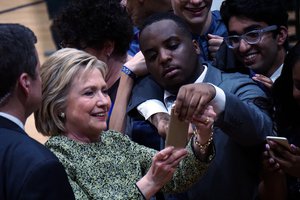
263, 79
214, 43
295, 149
170, 154
167, 160
193, 99
137, 64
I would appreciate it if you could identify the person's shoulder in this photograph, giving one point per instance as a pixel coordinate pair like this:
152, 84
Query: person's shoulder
216, 14
21, 145
112, 137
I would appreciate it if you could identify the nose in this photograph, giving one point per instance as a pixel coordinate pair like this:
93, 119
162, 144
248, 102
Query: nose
103, 99
164, 56
244, 46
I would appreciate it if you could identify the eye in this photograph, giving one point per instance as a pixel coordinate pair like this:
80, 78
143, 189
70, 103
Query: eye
234, 39
173, 45
89, 93
151, 56
252, 35
105, 92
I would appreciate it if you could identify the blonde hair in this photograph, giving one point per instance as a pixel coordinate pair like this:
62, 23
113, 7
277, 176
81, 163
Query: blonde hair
57, 74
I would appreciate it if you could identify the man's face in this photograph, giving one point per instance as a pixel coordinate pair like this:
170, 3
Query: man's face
35, 96
260, 57
194, 12
170, 54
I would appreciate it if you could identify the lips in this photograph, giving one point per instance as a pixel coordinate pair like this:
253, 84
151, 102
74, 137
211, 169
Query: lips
170, 72
195, 11
100, 114
250, 59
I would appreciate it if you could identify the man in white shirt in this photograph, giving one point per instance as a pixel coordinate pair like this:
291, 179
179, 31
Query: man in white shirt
242, 121
257, 37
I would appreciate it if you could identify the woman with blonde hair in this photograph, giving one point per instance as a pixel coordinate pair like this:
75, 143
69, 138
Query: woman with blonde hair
105, 164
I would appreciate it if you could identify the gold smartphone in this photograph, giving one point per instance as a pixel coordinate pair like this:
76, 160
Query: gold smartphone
280, 140
177, 135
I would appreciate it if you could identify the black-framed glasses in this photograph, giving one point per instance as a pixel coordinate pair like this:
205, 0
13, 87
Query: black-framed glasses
251, 37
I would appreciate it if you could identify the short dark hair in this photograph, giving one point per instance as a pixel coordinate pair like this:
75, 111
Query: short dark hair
90, 23
17, 55
167, 16
272, 12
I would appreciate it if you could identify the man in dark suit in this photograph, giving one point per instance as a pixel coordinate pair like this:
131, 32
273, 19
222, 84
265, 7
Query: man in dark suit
27, 169
242, 124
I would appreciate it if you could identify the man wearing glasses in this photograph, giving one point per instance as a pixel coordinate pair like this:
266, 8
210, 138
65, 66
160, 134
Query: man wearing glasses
257, 36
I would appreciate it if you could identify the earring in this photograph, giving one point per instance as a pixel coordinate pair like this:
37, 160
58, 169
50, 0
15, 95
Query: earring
62, 115
108, 56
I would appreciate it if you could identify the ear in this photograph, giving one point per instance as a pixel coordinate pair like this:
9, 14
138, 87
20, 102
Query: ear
108, 48
282, 35
25, 83
196, 46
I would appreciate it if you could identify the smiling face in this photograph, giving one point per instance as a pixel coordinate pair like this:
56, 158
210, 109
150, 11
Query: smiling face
170, 54
194, 12
87, 106
263, 57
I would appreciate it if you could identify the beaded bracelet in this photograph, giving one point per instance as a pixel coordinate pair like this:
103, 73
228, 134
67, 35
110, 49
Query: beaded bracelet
130, 73
203, 147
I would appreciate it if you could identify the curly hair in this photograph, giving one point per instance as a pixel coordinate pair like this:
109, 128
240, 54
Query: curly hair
90, 23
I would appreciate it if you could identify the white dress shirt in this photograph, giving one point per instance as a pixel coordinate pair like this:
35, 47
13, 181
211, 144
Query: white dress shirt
153, 106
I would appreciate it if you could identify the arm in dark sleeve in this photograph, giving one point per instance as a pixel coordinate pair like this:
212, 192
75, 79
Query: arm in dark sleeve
145, 89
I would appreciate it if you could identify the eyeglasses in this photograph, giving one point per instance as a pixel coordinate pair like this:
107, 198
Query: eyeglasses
251, 37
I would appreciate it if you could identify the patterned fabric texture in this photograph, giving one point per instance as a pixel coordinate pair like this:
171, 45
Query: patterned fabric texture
109, 169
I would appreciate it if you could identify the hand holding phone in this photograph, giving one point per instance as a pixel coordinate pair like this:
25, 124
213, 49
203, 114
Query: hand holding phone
280, 140
177, 134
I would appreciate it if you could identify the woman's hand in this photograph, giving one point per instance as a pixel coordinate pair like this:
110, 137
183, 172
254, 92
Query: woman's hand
273, 180
204, 125
266, 81
287, 160
164, 164
137, 64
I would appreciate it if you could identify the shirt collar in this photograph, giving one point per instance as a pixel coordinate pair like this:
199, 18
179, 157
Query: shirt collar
13, 119
276, 74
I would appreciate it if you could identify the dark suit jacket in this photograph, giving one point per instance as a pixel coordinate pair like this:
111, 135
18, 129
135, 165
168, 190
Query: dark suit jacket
239, 133
28, 170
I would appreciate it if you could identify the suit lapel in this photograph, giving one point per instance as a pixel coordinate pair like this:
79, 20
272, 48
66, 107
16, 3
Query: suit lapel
213, 75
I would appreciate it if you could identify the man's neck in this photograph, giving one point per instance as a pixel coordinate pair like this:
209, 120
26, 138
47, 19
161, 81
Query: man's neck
201, 29
276, 63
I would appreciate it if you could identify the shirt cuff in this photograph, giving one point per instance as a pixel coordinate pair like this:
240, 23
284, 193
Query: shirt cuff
218, 103
151, 107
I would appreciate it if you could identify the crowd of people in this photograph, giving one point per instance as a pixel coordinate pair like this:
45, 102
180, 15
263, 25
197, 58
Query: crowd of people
105, 98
